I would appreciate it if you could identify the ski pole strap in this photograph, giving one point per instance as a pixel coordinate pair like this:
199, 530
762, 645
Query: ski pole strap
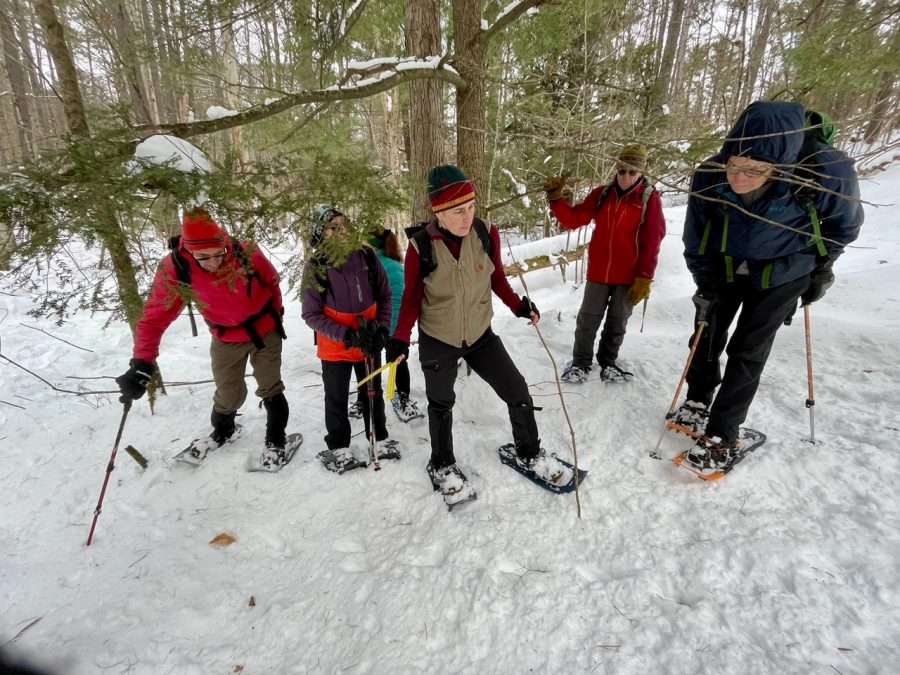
810, 402
392, 381
390, 365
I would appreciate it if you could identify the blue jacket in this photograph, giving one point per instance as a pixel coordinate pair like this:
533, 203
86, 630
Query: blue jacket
394, 271
719, 237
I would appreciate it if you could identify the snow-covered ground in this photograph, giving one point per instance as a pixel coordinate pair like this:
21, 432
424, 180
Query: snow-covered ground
792, 565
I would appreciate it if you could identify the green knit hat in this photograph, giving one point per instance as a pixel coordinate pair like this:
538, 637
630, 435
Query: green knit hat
633, 156
448, 187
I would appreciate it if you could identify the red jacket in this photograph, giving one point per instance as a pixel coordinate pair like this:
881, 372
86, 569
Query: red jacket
620, 249
220, 297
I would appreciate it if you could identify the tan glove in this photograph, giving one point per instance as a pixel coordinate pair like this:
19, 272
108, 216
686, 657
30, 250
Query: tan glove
640, 290
556, 188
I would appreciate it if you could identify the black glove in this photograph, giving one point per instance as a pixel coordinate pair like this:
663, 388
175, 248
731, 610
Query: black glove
526, 307
820, 281
133, 382
397, 348
370, 337
705, 302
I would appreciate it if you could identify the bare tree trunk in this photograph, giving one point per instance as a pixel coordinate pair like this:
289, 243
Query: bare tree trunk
16, 75
880, 120
232, 81
660, 89
470, 114
131, 70
423, 38
757, 51
109, 231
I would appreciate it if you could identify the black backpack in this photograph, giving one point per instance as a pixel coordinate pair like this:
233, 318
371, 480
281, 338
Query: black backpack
420, 235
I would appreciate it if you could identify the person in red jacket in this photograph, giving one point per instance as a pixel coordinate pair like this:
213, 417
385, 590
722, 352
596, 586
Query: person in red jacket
622, 255
235, 288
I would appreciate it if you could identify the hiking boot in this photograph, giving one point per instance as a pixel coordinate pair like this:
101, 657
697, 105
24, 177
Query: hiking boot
575, 374
711, 454
405, 408
612, 373
450, 480
223, 427
355, 410
546, 467
273, 456
691, 414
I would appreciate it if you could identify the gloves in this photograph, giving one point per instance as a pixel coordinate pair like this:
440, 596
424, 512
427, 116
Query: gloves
370, 337
526, 307
705, 302
556, 188
133, 382
820, 281
397, 348
640, 290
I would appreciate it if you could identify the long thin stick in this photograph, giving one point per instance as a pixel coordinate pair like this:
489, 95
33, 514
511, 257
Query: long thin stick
811, 399
654, 454
41, 330
126, 406
562, 400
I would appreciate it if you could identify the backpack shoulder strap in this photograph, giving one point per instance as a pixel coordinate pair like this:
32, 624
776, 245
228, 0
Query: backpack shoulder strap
182, 267
426, 252
484, 234
645, 199
372, 264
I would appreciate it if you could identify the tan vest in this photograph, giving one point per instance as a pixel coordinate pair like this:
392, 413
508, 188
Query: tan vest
457, 306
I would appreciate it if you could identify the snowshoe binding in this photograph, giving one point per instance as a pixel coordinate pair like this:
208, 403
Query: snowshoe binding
275, 457
548, 471
197, 451
452, 483
573, 374
612, 373
405, 408
711, 459
690, 418
341, 460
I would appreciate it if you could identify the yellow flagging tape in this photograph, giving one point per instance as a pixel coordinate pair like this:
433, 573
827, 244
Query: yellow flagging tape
391, 367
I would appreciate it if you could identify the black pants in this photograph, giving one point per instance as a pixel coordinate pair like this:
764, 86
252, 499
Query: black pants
762, 312
490, 361
336, 378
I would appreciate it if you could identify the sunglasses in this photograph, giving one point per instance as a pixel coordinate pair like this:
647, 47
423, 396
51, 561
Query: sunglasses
212, 256
630, 172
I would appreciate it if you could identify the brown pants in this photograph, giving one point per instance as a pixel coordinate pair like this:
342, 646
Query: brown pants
229, 365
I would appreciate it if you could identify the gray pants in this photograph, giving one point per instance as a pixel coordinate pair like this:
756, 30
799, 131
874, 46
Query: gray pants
600, 300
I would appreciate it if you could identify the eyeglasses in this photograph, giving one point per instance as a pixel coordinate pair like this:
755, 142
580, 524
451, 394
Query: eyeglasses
748, 172
630, 172
213, 256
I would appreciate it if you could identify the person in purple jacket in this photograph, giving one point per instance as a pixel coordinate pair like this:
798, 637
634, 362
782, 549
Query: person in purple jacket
348, 305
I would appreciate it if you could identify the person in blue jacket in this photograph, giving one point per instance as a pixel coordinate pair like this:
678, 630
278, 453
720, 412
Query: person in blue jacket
766, 219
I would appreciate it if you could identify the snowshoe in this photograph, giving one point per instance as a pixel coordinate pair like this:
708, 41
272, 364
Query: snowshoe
341, 460
389, 449
575, 374
690, 418
274, 458
711, 460
355, 410
405, 408
548, 471
613, 373
453, 485
197, 451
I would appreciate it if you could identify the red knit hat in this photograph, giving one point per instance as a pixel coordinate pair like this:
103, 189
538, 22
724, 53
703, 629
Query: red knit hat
448, 187
199, 231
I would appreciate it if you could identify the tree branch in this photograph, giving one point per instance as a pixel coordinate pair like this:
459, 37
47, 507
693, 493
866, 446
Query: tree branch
361, 89
509, 15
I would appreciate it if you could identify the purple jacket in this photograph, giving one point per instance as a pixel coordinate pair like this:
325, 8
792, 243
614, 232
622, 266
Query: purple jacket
349, 294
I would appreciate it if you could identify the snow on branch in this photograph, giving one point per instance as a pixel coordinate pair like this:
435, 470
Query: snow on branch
404, 70
510, 13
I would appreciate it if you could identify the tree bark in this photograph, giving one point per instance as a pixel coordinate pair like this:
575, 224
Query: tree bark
131, 70
425, 120
16, 75
660, 89
109, 230
470, 50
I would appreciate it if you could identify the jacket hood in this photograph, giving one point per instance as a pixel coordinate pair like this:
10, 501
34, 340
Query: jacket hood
767, 131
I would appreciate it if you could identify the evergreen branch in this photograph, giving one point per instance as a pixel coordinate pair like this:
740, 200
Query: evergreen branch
362, 89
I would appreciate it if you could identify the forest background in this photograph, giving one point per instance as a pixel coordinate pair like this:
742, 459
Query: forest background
291, 104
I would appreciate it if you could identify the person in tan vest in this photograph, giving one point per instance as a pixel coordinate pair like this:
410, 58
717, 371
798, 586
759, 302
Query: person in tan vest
452, 267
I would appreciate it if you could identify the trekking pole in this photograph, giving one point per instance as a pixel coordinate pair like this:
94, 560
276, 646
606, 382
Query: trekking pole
370, 389
654, 454
811, 400
126, 406
643, 315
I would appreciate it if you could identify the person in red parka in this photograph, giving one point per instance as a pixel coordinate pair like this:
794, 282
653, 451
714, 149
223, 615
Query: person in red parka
235, 288
622, 255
